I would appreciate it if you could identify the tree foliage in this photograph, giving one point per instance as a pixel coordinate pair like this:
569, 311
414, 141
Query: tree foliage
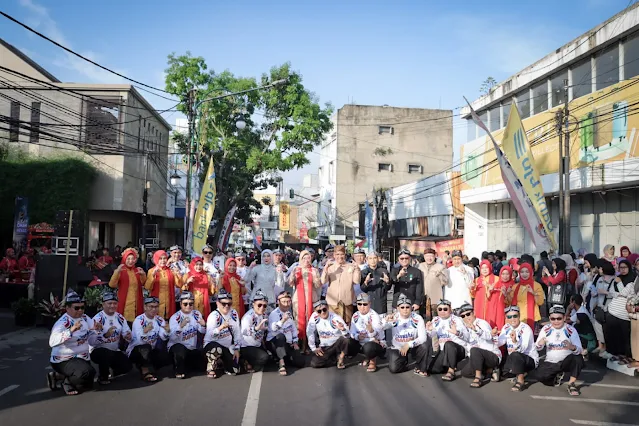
487, 86
283, 124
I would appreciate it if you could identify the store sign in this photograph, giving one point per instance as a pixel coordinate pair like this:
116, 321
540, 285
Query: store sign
285, 216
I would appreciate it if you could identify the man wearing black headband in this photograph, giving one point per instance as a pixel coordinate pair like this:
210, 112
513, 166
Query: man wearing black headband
451, 335
407, 280
521, 352
184, 327
563, 351
367, 334
105, 345
69, 343
223, 337
254, 326
148, 328
333, 336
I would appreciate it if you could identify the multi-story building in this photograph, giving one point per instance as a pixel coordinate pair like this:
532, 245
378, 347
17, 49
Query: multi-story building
111, 126
378, 147
601, 67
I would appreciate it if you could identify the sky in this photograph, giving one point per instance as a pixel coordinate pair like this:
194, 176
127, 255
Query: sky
420, 53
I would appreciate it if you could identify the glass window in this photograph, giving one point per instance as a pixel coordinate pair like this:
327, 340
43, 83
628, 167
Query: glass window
540, 97
484, 119
581, 79
415, 168
386, 129
471, 129
523, 103
505, 112
493, 123
557, 87
384, 167
631, 57
607, 63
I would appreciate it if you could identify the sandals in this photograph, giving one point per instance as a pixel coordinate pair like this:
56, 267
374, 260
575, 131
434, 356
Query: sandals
372, 367
52, 380
180, 376
517, 387
282, 370
68, 389
476, 383
149, 378
340, 363
248, 367
420, 373
448, 377
573, 390
364, 363
212, 375
104, 382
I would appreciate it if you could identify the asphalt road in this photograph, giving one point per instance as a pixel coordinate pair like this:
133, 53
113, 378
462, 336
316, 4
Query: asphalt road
305, 397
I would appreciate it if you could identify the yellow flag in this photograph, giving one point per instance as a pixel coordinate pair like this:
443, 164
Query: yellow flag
517, 150
205, 209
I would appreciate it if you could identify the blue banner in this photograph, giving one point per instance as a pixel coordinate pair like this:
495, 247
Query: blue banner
368, 227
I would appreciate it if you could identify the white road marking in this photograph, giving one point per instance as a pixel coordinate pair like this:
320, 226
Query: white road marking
8, 389
252, 400
38, 391
48, 367
577, 399
593, 423
602, 385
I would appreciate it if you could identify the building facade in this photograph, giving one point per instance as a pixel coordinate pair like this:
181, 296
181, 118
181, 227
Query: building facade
110, 126
377, 147
601, 69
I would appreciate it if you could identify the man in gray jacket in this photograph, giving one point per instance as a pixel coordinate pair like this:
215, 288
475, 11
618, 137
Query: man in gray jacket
435, 278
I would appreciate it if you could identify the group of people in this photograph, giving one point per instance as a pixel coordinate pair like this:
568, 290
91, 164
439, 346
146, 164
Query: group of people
232, 317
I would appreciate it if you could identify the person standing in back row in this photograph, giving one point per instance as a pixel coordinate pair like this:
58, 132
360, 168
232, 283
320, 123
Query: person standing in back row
407, 280
341, 277
435, 278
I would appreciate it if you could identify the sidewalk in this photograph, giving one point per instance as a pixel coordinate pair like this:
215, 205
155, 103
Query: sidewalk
7, 324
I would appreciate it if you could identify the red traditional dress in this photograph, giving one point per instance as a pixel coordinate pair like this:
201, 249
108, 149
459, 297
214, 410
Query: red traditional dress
26, 262
202, 287
307, 289
161, 282
489, 299
9, 263
528, 303
129, 282
232, 284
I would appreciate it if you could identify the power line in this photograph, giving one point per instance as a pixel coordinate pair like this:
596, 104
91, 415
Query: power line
25, 26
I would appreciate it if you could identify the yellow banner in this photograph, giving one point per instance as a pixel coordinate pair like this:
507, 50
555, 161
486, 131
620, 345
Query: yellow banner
205, 209
285, 216
517, 150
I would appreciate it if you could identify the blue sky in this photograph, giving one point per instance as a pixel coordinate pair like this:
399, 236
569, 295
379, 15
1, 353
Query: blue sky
419, 53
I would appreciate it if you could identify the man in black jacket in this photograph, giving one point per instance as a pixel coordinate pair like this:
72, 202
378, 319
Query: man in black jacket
407, 280
376, 282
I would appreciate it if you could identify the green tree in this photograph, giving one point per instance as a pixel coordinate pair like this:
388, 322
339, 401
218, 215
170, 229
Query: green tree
283, 124
487, 86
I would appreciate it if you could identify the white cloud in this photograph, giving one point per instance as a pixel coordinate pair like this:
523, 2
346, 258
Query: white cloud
40, 19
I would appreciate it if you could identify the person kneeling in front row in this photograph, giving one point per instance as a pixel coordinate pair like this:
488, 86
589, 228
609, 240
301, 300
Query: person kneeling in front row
451, 334
563, 351
254, 325
367, 334
521, 352
223, 338
333, 336
185, 325
282, 334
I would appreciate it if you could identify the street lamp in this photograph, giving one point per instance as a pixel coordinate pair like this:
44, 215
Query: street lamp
240, 124
175, 178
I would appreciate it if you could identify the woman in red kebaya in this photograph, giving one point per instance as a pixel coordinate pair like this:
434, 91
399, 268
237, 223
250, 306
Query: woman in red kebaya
129, 281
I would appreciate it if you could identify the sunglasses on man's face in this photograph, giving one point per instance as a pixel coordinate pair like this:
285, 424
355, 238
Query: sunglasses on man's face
464, 315
207, 252
362, 304
442, 309
556, 318
261, 305
512, 316
405, 307
79, 308
404, 258
321, 311
226, 304
187, 304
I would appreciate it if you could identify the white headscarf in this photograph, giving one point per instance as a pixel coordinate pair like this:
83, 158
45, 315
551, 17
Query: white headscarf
570, 263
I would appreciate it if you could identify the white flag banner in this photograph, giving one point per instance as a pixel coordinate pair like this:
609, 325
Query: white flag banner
226, 229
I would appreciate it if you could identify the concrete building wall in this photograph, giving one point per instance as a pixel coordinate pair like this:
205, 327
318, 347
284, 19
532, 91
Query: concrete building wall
405, 138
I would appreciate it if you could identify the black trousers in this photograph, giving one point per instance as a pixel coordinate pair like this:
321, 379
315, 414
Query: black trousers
451, 355
78, 372
518, 363
548, 371
255, 356
329, 358
284, 351
144, 356
218, 357
421, 353
617, 335
186, 359
480, 359
371, 350
107, 359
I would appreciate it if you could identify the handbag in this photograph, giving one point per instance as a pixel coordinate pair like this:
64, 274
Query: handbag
599, 313
557, 293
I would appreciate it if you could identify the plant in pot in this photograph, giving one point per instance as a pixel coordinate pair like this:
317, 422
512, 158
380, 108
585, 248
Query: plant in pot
51, 310
24, 311
93, 299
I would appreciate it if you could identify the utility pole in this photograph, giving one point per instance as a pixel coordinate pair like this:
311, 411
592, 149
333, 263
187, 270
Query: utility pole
559, 123
145, 199
190, 103
566, 212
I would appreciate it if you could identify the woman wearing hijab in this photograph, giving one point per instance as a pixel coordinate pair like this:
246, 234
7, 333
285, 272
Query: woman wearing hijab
201, 284
527, 295
624, 252
262, 278
617, 326
234, 285
481, 289
161, 282
305, 281
589, 276
490, 298
599, 302
129, 279
571, 270
609, 254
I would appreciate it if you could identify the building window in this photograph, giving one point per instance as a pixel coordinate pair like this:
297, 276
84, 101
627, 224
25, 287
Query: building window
415, 168
557, 87
505, 110
540, 97
102, 121
14, 127
607, 65
523, 103
631, 57
483, 116
386, 129
34, 136
331, 172
494, 120
581, 79
385, 167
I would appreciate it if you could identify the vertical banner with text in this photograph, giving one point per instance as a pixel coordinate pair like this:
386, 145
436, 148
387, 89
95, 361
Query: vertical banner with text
20, 224
285, 216
205, 209
226, 229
